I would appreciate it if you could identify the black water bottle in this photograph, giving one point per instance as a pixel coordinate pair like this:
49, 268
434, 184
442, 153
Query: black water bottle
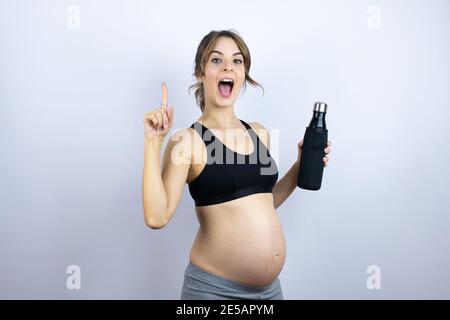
311, 164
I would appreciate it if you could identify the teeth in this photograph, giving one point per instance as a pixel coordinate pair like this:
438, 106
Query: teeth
227, 80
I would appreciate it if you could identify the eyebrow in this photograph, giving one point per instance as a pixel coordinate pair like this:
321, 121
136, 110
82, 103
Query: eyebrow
234, 54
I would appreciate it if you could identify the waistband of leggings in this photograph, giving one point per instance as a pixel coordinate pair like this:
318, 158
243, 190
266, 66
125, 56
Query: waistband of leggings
193, 269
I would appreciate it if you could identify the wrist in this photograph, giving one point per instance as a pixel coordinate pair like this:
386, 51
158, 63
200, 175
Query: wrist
154, 141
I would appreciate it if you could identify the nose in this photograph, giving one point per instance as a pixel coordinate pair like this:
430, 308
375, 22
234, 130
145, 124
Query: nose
228, 67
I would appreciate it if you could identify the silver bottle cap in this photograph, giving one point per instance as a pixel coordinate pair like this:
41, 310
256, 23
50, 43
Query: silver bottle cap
320, 106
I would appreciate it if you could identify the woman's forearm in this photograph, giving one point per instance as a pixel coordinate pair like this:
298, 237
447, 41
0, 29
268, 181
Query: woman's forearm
284, 187
154, 195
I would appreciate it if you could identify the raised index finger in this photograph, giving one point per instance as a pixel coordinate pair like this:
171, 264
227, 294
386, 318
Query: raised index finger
164, 94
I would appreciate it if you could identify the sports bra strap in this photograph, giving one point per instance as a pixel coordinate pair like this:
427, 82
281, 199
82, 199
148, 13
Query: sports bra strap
201, 129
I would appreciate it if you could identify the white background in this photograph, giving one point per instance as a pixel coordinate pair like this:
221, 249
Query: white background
72, 102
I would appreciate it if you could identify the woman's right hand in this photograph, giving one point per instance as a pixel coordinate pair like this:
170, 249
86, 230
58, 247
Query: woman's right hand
159, 121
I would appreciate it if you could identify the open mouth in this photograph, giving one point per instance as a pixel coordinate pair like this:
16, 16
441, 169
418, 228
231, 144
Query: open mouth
226, 87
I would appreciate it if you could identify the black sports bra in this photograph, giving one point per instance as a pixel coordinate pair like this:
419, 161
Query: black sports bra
231, 175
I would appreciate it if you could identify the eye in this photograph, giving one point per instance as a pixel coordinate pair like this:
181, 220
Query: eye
238, 61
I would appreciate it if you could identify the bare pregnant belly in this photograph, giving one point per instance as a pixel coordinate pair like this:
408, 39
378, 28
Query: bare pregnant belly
241, 240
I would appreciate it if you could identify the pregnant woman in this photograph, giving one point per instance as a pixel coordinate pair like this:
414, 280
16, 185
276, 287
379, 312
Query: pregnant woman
239, 249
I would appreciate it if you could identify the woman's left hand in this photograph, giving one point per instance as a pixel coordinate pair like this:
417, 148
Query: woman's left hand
327, 151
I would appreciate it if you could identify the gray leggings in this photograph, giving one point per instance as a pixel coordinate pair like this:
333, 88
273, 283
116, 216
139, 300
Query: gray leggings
202, 285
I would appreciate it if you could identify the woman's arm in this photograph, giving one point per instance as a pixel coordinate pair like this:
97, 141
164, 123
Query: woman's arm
154, 195
162, 189
284, 187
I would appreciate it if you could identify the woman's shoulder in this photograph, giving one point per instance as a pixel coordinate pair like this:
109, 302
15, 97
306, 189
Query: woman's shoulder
257, 125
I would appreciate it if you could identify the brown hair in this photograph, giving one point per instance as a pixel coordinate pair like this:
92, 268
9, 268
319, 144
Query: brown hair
203, 51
